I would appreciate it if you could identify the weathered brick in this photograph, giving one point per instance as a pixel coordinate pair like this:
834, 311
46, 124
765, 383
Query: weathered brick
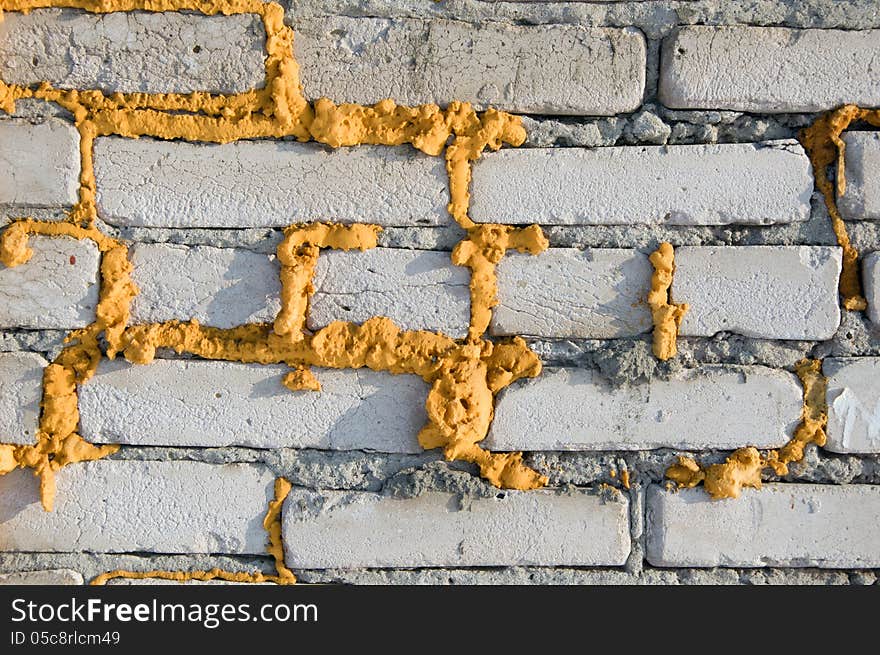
353, 530
744, 183
871, 280
418, 290
213, 404
21, 388
222, 287
769, 69
48, 577
861, 199
39, 163
766, 292
577, 409
779, 525
543, 69
853, 397
57, 288
265, 184
133, 51
570, 293
161, 507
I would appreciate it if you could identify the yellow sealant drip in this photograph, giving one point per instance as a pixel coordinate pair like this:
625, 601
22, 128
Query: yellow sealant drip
744, 466
666, 316
825, 147
464, 376
272, 526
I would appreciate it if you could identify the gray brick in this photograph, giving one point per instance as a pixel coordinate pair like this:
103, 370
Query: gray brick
741, 183
21, 388
160, 507
222, 287
353, 530
766, 292
39, 163
214, 404
871, 281
853, 397
780, 525
862, 168
769, 69
153, 183
543, 69
133, 51
48, 577
57, 288
418, 290
577, 409
570, 293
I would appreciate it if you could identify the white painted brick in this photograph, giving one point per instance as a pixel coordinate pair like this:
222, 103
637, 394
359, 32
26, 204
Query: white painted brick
222, 287
862, 169
265, 184
766, 292
769, 69
214, 404
543, 69
57, 288
577, 409
743, 183
21, 388
853, 397
39, 163
47, 577
133, 51
353, 530
871, 281
418, 290
779, 525
161, 507
569, 293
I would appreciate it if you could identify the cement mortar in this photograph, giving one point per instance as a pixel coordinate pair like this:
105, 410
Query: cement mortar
93, 564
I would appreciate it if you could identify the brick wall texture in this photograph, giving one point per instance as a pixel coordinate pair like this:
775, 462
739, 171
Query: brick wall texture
645, 122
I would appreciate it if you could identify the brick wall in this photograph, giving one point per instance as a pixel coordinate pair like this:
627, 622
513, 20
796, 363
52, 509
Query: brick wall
646, 122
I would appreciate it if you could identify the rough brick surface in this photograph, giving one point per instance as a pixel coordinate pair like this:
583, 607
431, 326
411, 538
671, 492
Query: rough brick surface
780, 525
769, 69
57, 288
861, 199
21, 386
569, 293
418, 290
871, 280
746, 183
576, 409
265, 184
198, 403
543, 69
162, 507
350, 530
48, 577
853, 397
131, 52
222, 287
39, 163
767, 292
